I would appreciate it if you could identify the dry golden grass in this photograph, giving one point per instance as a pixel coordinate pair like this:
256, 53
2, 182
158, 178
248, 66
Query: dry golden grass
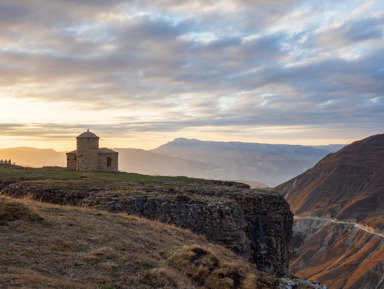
11, 211
208, 271
48, 246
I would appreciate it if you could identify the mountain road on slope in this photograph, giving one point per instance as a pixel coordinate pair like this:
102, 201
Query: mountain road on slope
356, 225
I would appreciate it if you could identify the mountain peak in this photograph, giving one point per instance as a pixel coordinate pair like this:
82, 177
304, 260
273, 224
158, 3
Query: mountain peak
183, 141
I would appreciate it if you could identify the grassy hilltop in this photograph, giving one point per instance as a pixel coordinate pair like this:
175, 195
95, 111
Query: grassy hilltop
108, 180
50, 246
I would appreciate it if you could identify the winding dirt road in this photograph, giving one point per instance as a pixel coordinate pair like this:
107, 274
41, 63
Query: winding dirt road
359, 226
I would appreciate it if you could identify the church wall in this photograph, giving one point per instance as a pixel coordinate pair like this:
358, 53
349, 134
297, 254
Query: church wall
87, 154
105, 165
71, 161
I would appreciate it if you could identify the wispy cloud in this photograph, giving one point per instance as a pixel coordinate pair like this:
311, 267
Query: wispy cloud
173, 65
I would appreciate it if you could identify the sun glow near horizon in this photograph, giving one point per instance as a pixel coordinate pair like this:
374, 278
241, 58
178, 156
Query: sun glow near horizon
141, 74
148, 141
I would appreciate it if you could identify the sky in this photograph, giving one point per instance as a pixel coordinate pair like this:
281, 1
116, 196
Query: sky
141, 73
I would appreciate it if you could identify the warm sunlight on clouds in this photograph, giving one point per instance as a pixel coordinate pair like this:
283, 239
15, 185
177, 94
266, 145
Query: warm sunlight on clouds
141, 73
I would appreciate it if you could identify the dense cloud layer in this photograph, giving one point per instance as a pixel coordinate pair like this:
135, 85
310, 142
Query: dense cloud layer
175, 65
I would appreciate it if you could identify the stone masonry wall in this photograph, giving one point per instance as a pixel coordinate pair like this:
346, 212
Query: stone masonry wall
71, 161
103, 162
87, 154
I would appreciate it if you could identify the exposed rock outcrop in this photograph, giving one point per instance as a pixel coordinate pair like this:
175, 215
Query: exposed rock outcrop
255, 225
290, 284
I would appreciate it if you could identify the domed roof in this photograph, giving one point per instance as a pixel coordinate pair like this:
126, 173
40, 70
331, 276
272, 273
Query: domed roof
87, 134
107, 151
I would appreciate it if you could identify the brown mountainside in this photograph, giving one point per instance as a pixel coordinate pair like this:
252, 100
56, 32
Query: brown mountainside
348, 184
339, 207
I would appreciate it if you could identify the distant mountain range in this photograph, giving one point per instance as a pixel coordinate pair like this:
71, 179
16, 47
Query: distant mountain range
339, 208
27, 156
268, 164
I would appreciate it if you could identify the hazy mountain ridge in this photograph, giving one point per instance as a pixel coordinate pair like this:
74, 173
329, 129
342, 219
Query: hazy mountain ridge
330, 148
255, 162
347, 185
266, 163
28, 156
147, 162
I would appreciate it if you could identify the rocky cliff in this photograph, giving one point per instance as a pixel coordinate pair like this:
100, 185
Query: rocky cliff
255, 225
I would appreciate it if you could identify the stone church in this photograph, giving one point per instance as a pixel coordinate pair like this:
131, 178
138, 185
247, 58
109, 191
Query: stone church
88, 157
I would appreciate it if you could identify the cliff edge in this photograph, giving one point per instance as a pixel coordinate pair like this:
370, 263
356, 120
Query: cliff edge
255, 225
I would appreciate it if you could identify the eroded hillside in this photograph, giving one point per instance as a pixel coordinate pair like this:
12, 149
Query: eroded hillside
344, 193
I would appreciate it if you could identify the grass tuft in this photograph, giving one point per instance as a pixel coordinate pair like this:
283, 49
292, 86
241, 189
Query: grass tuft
208, 271
205, 269
12, 211
162, 277
145, 264
108, 286
109, 266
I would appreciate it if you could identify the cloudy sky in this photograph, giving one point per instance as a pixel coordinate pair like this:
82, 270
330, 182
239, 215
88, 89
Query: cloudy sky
140, 73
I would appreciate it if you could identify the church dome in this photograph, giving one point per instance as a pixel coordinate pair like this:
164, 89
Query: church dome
87, 134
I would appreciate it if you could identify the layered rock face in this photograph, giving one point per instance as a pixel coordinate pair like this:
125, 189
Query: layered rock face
255, 225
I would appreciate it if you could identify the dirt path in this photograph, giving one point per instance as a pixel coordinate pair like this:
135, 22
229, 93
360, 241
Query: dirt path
359, 226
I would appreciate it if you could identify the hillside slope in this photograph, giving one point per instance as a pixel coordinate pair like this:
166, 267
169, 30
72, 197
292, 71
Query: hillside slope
49, 246
347, 186
340, 255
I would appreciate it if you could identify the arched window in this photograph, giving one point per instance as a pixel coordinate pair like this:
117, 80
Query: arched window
109, 161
